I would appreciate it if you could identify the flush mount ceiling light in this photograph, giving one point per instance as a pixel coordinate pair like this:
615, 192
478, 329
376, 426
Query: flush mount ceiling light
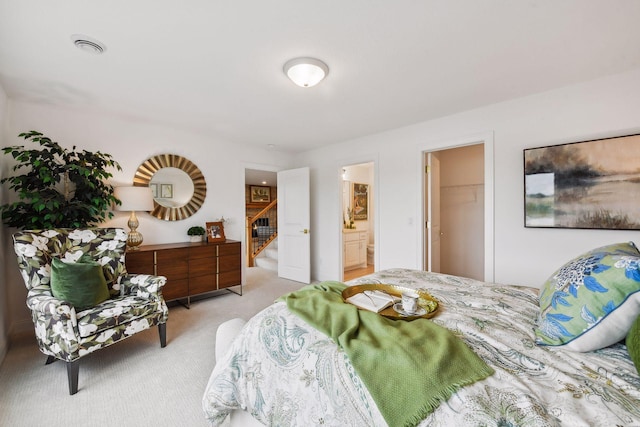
306, 72
88, 44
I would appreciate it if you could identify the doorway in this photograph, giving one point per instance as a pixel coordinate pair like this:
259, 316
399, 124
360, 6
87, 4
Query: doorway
455, 211
358, 230
277, 214
257, 234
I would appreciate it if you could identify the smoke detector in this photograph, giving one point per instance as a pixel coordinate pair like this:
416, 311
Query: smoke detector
88, 44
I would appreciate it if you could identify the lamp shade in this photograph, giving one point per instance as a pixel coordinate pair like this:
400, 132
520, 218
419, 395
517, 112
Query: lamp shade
306, 72
134, 198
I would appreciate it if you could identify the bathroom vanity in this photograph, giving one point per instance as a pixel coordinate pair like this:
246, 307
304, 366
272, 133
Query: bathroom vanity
355, 249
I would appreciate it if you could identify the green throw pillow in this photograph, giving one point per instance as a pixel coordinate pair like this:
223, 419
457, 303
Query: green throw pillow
81, 284
591, 301
633, 343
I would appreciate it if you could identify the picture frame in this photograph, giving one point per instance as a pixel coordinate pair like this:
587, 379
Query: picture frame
166, 191
585, 185
154, 190
215, 232
360, 206
260, 194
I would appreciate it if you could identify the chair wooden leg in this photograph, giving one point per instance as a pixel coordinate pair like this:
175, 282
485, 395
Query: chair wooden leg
72, 374
162, 330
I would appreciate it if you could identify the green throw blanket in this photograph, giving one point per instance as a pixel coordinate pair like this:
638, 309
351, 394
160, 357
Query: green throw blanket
409, 368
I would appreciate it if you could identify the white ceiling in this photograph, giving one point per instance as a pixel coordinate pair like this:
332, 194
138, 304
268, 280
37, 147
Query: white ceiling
216, 66
260, 177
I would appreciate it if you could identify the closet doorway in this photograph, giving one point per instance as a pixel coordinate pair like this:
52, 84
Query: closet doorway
358, 230
455, 211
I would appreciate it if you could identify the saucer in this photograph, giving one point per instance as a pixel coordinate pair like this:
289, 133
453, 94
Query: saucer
398, 309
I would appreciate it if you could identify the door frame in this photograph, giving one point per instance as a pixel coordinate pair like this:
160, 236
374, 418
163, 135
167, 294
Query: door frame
432, 173
487, 139
376, 208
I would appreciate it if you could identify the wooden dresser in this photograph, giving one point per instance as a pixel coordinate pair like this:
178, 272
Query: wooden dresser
190, 268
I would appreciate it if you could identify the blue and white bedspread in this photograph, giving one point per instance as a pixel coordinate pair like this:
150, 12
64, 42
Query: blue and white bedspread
286, 373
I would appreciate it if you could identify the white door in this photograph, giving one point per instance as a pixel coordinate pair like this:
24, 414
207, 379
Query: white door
294, 239
434, 231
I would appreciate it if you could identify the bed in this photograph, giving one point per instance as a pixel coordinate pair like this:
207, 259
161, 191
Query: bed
281, 371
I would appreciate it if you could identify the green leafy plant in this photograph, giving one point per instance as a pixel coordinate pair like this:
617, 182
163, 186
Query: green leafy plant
196, 231
57, 187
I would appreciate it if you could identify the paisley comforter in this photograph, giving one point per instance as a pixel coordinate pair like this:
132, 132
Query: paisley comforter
285, 373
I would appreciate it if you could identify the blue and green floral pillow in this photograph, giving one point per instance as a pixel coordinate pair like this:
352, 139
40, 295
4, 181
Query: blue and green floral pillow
591, 301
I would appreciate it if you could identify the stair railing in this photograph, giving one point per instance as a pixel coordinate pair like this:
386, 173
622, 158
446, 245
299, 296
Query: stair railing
261, 230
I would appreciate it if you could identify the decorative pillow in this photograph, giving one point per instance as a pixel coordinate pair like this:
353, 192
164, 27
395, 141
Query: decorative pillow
633, 343
591, 301
81, 283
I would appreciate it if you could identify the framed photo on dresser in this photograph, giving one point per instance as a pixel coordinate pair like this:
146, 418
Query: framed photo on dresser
215, 232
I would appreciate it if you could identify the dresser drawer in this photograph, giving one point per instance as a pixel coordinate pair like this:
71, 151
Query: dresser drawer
172, 263
229, 278
208, 251
139, 262
229, 249
174, 289
228, 263
202, 266
200, 284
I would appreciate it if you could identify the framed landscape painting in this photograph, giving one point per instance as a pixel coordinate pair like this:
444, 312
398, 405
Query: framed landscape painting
260, 194
589, 185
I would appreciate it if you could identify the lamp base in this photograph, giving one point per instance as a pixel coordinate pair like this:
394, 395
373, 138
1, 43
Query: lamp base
134, 238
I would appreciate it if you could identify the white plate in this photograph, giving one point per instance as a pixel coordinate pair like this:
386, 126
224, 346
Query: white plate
398, 309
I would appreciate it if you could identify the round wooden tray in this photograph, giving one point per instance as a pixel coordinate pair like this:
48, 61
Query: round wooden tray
426, 301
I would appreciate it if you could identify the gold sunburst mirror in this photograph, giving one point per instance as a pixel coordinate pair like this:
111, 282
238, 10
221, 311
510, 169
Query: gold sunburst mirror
178, 186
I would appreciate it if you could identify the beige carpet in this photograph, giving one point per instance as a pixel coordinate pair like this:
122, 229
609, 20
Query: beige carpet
135, 382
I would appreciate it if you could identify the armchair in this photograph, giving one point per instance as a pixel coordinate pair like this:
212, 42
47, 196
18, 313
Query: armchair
67, 333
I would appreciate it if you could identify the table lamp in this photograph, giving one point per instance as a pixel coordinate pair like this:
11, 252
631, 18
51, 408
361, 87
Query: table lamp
134, 199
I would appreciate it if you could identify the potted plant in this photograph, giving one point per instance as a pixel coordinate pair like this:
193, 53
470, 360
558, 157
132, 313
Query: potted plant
196, 233
58, 188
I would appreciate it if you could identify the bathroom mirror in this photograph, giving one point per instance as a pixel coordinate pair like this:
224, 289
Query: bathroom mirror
178, 186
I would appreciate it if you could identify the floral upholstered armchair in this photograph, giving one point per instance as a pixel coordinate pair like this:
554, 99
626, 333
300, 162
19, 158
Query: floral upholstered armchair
132, 302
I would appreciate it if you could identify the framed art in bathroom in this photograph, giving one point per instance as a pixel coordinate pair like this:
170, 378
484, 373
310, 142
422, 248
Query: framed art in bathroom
360, 202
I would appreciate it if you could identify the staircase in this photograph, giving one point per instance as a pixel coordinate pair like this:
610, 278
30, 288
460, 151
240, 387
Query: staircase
268, 258
262, 232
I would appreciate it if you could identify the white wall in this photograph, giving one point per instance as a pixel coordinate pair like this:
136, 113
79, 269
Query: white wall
4, 288
131, 142
601, 108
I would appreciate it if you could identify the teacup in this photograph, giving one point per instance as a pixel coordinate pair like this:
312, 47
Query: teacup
410, 301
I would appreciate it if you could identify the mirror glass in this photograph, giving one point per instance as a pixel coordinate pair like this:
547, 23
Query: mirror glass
178, 186
171, 187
